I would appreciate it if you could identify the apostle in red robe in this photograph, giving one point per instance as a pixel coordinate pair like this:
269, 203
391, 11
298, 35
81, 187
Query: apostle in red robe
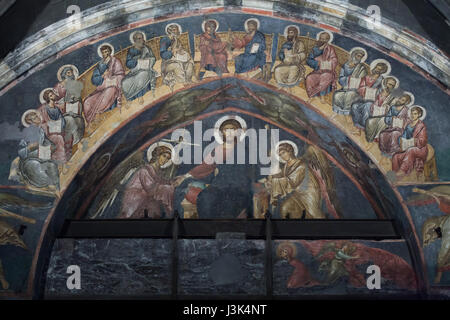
213, 51
107, 77
414, 156
148, 191
323, 60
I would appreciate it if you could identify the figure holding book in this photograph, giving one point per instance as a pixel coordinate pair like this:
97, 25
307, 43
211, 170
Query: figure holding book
413, 144
323, 60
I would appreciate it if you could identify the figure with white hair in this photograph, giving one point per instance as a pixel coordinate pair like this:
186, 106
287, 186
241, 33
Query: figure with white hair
349, 78
177, 65
140, 61
378, 105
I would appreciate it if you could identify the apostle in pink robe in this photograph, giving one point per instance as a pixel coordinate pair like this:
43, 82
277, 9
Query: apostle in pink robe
213, 51
107, 77
323, 60
413, 157
148, 191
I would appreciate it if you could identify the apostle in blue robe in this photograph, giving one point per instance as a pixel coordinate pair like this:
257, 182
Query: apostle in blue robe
254, 55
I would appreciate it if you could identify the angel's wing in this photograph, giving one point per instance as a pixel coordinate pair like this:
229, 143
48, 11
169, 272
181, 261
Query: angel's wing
11, 200
9, 236
116, 182
314, 156
444, 252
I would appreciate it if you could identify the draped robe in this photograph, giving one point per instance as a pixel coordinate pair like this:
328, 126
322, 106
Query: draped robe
147, 190
414, 157
174, 70
291, 71
213, 53
298, 190
229, 192
248, 61
344, 98
107, 95
376, 124
388, 139
63, 146
139, 81
361, 111
321, 81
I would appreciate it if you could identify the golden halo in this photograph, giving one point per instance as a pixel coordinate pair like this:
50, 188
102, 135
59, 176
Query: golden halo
137, 31
219, 122
288, 142
204, 22
291, 25
287, 244
326, 31
41, 95
105, 44
159, 144
254, 19
424, 115
392, 77
76, 73
26, 125
374, 63
411, 96
362, 49
171, 24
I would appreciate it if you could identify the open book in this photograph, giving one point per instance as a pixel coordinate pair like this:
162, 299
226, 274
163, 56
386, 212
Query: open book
182, 57
397, 122
143, 64
371, 94
407, 143
45, 152
72, 107
325, 65
378, 111
354, 83
54, 126
255, 48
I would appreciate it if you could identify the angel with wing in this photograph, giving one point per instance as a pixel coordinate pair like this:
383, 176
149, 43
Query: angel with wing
145, 188
302, 184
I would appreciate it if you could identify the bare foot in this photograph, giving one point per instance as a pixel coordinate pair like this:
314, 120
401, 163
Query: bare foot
141, 100
322, 100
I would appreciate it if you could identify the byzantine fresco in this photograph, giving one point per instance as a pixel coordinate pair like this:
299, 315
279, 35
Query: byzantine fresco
335, 267
96, 124
430, 208
149, 184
